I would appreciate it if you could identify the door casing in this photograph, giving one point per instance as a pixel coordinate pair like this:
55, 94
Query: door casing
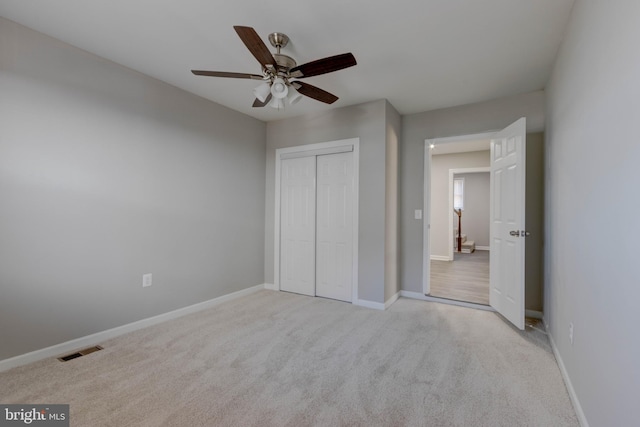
520, 127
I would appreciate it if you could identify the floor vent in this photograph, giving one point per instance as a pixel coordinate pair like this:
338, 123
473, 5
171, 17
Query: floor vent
80, 353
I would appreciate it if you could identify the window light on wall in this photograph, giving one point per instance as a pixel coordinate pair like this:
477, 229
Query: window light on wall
458, 193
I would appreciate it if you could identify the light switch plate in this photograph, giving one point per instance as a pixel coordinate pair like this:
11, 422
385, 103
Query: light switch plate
146, 280
418, 214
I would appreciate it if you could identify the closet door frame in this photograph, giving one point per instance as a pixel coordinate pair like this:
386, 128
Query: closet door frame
331, 147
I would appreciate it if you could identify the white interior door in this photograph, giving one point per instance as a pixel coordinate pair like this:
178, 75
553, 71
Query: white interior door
508, 222
298, 225
334, 226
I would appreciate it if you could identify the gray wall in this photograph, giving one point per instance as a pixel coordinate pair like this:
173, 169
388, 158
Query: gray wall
468, 119
106, 174
364, 121
591, 256
391, 273
475, 217
440, 213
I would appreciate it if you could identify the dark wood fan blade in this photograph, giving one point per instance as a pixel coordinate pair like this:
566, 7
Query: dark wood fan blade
323, 66
258, 103
256, 46
226, 74
315, 92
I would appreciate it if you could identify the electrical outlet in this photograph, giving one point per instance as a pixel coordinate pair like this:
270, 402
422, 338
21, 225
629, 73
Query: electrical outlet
146, 280
571, 333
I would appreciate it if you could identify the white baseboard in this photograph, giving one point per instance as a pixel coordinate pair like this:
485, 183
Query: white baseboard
97, 338
369, 304
377, 305
413, 295
440, 258
482, 248
271, 287
391, 300
582, 419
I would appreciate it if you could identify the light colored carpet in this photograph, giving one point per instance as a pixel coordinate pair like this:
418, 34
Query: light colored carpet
279, 359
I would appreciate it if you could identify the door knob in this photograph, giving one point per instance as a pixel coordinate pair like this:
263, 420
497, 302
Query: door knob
515, 233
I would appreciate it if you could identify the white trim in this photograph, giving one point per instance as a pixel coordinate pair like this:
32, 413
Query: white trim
270, 287
317, 152
582, 419
440, 258
482, 248
356, 214
413, 295
417, 295
377, 305
369, 304
391, 300
426, 195
312, 150
461, 138
93, 339
453, 172
534, 314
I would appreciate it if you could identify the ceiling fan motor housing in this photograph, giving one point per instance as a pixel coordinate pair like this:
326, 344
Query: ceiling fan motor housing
285, 63
278, 40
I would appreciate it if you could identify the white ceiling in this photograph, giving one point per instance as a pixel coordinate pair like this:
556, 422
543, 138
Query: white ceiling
419, 54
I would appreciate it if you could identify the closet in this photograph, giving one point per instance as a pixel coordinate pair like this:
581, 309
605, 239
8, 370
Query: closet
317, 195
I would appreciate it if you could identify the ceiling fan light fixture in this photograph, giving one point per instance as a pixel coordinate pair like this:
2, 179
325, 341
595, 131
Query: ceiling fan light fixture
262, 92
276, 103
294, 95
279, 88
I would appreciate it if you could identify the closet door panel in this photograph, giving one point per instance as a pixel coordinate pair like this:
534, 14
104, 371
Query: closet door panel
298, 225
334, 228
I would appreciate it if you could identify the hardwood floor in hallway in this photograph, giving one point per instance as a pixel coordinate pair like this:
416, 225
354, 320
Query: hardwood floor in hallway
466, 278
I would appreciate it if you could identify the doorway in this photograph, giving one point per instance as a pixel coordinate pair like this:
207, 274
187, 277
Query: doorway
459, 216
507, 219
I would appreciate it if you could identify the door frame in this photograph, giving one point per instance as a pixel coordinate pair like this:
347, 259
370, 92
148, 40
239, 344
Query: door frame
318, 149
453, 172
426, 191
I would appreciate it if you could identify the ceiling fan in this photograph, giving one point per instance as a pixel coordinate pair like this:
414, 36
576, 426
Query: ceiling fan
280, 73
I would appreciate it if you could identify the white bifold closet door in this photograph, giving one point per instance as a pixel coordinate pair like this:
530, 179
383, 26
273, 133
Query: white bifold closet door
298, 225
334, 226
317, 225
